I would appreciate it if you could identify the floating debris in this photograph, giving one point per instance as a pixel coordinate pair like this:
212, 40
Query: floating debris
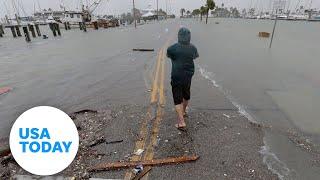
264, 34
138, 49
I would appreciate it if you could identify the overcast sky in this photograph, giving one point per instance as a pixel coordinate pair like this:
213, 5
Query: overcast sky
116, 7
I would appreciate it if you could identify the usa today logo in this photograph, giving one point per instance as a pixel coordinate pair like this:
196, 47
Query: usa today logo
44, 140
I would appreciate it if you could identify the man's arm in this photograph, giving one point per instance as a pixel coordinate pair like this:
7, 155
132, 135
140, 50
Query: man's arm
196, 54
170, 53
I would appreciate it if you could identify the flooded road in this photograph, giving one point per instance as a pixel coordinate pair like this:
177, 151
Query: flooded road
278, 87
77, 70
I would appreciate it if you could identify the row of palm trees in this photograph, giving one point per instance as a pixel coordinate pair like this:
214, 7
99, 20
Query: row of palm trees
204, 10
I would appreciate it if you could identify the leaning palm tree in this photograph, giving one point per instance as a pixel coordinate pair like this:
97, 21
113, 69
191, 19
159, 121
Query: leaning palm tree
209, 6
202, 11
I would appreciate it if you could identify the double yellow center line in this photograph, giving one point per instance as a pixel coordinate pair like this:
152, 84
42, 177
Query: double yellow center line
157, 100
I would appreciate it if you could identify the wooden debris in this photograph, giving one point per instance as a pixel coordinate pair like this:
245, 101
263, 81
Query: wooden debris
4, 90
264, 34
143, 173
138, 49
85, 111
98, 141
154, 162
114, 142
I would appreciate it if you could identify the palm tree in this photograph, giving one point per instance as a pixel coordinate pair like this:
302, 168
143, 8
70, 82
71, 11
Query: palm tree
209, 6
182, 11
202, 11
188, 13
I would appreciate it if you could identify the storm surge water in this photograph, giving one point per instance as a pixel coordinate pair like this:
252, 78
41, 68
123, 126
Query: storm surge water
273, 163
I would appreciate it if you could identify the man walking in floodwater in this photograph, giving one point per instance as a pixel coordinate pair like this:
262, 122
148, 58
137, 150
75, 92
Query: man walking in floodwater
182, 55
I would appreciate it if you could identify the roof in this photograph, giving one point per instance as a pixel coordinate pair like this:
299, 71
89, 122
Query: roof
148, 14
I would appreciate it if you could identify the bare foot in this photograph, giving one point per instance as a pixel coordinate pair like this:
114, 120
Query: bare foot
181, 124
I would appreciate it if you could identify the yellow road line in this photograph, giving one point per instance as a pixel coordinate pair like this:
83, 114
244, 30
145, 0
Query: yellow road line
140, 144
156, 79
159, 71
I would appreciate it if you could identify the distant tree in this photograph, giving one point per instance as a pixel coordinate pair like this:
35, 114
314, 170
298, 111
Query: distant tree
235, 13
196, 12
209, 6
182, 11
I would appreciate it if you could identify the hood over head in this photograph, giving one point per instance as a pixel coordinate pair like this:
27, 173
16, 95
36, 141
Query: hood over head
184, 36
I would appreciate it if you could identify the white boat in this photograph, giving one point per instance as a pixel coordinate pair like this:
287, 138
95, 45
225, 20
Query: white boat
298, 17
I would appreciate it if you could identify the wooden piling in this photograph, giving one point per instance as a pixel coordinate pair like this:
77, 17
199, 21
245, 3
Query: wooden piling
80, 26
95, 25
58, 28
38, 29
1, 29
26, 33
65, 26
53, 29
84, 27
18, 31
14, 34
31, 29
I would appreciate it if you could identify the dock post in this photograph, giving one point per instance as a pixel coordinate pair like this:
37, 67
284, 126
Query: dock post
68, 24
31, 29
14, 34
58, 28
84, 27
80, 26
18, 31
26, 33
51, 25
95, 25
38, 29
1, 30
65, 26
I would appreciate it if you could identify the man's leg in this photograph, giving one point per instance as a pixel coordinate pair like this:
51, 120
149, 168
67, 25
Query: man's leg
180, 113
178, 102
185, 105
186, 96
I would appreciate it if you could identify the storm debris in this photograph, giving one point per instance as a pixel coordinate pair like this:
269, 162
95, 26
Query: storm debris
143, 173
138, 152
142, 50
154, 162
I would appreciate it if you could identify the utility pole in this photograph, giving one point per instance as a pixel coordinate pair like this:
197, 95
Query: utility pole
274, 28
158, 10
134, 14
166, 9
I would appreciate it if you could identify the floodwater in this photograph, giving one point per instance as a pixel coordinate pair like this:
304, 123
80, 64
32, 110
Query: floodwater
278, 87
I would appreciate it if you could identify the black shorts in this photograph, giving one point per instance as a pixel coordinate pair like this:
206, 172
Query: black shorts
180, 92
